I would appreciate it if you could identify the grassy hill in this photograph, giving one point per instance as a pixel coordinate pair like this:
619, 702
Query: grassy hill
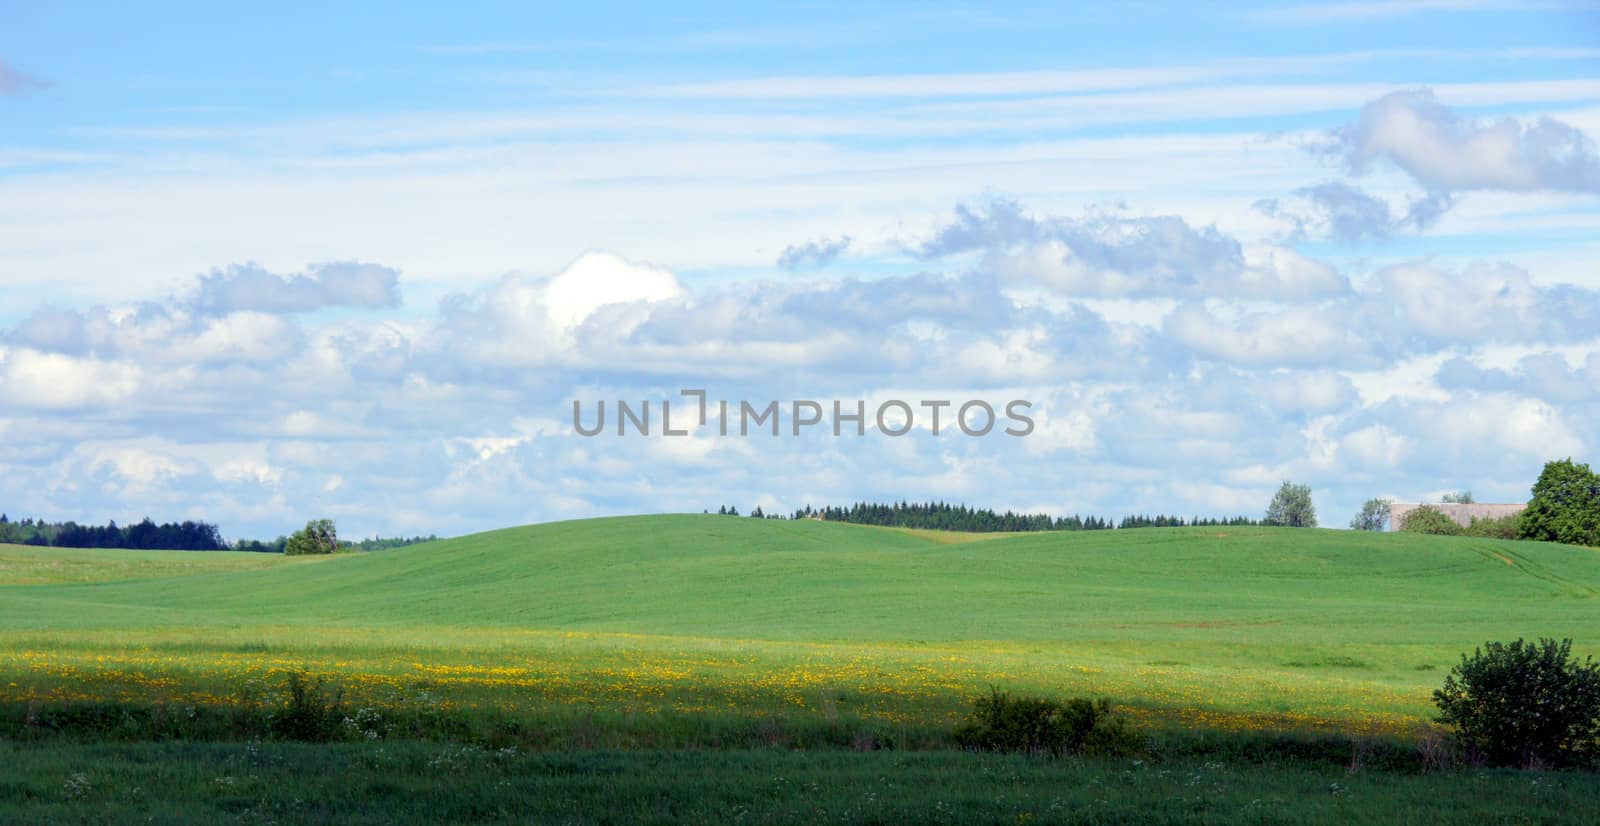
689, 615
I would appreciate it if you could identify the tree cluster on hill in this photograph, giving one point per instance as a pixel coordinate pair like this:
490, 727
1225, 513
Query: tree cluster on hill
376, 543
319, 536
144, 535
1374, 515
1291, 507
1565, 506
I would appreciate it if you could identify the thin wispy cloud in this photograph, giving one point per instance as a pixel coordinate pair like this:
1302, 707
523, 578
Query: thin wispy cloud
1358, 12
818, 253
13, 81
1078, 81
800, 37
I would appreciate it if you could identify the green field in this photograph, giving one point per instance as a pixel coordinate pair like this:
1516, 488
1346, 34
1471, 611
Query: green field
672, 632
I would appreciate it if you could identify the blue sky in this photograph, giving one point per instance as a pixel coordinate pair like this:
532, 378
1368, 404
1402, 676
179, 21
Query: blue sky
266, 264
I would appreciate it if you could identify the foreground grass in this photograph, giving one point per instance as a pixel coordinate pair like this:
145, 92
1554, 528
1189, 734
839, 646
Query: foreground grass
427, 783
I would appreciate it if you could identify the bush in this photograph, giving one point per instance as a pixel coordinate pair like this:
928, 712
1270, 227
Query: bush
1565, 506
1374, 516
1430, 521
1524, 704
1291, 507
1000, 722
1504, 527
312, 710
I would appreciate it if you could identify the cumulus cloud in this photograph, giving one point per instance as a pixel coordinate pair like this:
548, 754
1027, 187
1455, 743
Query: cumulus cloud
1445, 438
455, 419
1444, 151
601, 280
162, 333
1549, 376
1000, 223
1478, 304
1348, 214
1291, 336
1307, 393
337, 284
531, 320
30, 378
816, 253
1110, 255
1404, 310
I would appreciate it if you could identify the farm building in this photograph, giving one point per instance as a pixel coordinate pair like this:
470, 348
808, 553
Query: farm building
1460, 514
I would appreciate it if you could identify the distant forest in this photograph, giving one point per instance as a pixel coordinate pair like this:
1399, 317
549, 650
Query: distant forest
145, 535
168, 536
946, 517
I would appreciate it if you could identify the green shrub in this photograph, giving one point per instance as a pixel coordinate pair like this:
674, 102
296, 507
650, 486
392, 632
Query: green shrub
1524, 704
312, 710
1430, 521
1565, 506
1000, 722
1505, 527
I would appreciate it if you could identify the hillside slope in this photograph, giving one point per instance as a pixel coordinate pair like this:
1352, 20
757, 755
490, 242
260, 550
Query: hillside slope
767, 579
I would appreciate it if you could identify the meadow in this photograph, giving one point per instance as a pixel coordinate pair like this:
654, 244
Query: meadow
643, 634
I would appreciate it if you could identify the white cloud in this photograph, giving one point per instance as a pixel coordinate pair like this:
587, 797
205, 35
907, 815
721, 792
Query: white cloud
1109, 255
1292, 336
250, 288
1356, 12
1311, 392
1443, 150
29, 378
1376, 446
598, 279
246, 469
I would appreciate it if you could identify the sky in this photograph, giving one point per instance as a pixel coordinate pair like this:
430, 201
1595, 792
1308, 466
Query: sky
266, 263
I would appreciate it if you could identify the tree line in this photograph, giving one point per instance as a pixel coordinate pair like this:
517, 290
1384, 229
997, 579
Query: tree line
168, 536
376, 543
144, 535
944, 516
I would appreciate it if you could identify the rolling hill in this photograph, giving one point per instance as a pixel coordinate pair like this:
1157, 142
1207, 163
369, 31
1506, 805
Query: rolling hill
1314, 624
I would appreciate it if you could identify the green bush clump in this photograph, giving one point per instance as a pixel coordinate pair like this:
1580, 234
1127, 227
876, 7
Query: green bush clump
1032, 725
312, 710
1524, 704
1504, 527
1430, 521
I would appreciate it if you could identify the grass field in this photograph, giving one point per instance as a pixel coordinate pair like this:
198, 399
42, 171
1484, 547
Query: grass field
672, 632
432, 783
